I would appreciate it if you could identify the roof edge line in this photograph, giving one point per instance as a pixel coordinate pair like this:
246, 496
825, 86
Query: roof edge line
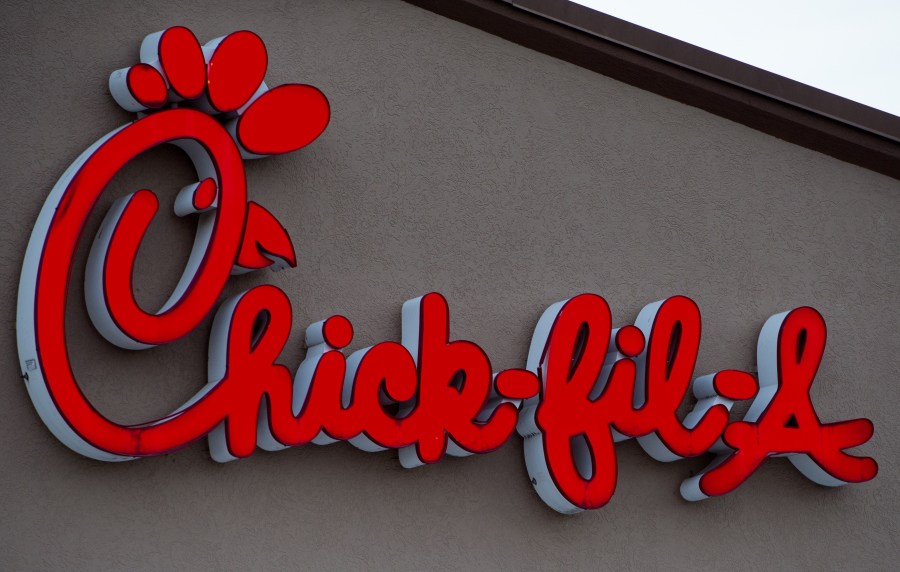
719, 77
827, 123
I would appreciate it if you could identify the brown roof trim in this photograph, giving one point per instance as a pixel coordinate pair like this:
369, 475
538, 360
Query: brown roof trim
776, 105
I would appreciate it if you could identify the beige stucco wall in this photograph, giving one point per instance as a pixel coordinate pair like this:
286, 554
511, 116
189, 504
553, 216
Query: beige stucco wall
505, 179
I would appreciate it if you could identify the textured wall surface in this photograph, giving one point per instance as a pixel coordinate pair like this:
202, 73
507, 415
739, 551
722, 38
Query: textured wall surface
505, 179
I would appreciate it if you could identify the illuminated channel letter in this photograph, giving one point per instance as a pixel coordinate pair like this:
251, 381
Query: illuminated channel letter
585, 386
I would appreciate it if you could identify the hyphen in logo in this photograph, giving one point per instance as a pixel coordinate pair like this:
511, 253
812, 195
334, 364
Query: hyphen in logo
585, 386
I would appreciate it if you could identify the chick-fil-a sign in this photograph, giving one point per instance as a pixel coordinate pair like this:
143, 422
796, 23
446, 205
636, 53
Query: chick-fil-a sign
586, 384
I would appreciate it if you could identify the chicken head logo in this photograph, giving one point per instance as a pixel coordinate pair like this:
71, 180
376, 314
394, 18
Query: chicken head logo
213, 103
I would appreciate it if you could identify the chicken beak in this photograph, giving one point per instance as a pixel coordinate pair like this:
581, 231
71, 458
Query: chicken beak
265, 243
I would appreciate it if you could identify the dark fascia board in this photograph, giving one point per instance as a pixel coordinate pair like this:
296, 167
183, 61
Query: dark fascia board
773, 104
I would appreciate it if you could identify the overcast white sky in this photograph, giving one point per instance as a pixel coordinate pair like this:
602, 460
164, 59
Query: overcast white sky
848, 47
